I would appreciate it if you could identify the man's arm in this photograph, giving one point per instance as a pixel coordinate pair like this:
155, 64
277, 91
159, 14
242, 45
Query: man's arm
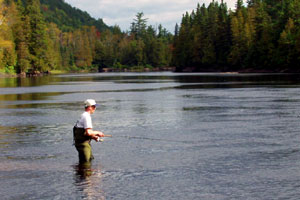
93, 134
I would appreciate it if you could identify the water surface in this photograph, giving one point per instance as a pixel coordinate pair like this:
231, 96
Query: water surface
175, 136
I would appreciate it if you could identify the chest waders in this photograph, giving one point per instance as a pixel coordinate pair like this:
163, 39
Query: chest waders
82, 144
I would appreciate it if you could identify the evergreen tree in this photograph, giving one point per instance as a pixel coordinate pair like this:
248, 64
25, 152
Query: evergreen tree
53, 56
262, 55
239, 4
38, 38
21, 34
183, 51
288, 56
138, 27
67, 46
176, 32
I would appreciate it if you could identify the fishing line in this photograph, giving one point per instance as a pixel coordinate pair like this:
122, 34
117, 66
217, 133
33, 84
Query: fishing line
147, 138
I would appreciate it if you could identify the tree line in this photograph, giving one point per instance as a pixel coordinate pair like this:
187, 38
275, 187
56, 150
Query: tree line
258, 35
262, 36
30, 43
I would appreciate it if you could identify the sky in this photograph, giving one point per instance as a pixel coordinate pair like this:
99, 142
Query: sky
122, 12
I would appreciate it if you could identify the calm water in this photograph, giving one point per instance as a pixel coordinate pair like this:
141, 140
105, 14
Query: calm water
175, 136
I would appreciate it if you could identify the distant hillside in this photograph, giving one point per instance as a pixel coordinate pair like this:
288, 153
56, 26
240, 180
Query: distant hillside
67, 17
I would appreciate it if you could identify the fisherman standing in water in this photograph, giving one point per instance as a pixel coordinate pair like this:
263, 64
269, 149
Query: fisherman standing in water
84, 133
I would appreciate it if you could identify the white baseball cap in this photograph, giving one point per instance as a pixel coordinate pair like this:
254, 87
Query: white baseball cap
90, 102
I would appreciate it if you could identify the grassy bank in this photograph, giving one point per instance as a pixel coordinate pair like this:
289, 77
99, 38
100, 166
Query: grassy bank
8, 72
58, 72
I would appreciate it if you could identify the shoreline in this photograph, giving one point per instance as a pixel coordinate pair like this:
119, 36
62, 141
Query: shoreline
245, 71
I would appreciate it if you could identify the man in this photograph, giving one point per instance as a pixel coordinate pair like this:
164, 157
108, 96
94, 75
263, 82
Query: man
84, 133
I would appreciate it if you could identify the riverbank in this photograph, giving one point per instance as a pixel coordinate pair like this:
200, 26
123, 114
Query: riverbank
32, 74
138, 69
4, 75
227, 70
171, 69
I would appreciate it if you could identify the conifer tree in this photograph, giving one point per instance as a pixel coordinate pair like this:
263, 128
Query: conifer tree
263, 52
138, 27
38, 38
239, 4
287, 52
53, 56
21, 34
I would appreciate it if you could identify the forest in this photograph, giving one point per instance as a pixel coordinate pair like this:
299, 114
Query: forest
50, 35
262, 37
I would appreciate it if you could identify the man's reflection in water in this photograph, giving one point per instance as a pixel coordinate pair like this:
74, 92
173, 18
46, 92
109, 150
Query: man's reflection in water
88, 181
83, 170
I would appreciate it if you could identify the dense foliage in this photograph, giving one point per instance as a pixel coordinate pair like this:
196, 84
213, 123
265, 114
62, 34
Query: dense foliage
264, 36
31, 39
47, 35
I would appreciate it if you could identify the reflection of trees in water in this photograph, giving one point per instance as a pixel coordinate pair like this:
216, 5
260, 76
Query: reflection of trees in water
261, 79
11, 135
88, 181
29, 96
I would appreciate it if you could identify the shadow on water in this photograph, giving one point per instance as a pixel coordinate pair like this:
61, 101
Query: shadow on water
39, 81
151, 78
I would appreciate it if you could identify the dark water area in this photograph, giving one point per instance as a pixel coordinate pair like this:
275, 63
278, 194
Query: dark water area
175, 136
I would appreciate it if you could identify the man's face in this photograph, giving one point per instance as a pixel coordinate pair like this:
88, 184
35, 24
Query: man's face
93, 108
90, 109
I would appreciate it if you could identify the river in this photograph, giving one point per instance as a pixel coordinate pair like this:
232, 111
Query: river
174, 136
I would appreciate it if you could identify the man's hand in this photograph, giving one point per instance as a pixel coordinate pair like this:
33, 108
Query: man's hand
94, 137
100, 134
94, 134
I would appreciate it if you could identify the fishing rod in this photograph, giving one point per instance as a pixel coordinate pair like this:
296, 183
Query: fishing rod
143, 138
99, 139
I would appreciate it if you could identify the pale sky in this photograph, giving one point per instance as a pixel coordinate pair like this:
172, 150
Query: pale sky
122, 12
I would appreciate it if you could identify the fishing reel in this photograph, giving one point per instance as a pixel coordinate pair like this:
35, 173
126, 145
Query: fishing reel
99, 139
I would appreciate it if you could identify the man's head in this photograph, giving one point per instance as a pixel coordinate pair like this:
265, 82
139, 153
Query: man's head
90, 105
